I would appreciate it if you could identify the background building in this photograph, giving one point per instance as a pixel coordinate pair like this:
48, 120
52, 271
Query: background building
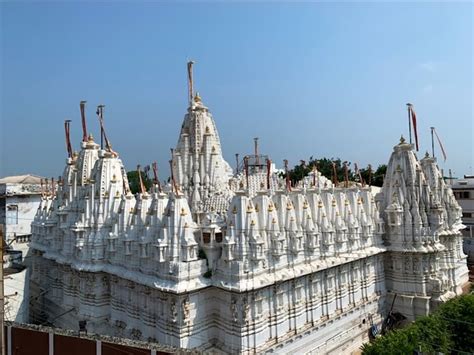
20, 197
464, 193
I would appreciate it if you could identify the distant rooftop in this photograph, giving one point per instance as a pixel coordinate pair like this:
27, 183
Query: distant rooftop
21, 179
467, 181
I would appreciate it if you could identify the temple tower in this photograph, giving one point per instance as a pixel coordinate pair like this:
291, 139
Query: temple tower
199, 168
420, 270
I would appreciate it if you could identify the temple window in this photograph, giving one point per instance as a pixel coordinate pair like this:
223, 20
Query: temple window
219, 237
298, 294
259, 308
280, 300
12, 214
206, 238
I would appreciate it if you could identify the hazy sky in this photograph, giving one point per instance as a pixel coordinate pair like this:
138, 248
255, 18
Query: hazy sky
320, 79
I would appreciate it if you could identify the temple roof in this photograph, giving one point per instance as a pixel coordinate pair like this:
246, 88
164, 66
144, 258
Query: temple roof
21, 179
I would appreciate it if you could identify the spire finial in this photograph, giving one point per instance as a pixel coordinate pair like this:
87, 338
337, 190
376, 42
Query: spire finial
402, 140
197, 98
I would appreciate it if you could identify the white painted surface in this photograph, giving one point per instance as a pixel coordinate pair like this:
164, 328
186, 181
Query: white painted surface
17, 297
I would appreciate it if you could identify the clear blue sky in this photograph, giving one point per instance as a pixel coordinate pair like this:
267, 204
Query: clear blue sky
320, 79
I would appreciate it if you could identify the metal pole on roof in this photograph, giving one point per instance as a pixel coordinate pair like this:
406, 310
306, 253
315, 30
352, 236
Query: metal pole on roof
432, 141
2, 295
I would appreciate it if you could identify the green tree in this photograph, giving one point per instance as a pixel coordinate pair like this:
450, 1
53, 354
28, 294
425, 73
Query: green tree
458, 315
375, 177
325, 167
134, 182
448, 330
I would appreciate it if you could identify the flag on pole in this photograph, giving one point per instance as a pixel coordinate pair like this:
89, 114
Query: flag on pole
413, 119
440, 144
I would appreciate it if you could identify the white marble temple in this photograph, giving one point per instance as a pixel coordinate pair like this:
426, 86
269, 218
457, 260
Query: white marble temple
303, 270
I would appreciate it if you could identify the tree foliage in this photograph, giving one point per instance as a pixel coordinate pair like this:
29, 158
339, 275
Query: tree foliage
325, 167
134, 181
448, 330
458, 314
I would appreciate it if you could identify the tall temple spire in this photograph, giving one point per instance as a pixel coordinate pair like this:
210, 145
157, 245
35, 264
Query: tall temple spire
198, 167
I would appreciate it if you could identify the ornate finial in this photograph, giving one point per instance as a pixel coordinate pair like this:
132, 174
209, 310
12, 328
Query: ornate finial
90, 139
197, 98
270, 207
427, 155
183, 212
402, 140
234, 210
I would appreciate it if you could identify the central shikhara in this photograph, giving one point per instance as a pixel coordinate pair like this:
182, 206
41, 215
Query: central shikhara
240, 262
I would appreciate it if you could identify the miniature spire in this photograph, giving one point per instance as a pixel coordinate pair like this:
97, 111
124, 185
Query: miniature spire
83, 119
